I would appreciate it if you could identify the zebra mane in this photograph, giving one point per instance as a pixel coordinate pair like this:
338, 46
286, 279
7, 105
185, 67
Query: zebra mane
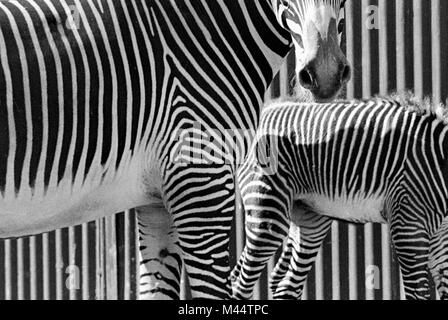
412, 103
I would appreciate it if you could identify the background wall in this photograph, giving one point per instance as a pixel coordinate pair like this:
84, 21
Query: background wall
392, 45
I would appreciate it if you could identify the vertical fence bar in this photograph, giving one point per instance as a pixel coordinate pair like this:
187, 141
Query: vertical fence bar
418, 48
335, 275
352, 263
33, 269
59, 265
127, 256
85, 261
386, 264
382, 46
72, 262
99, 272
137, 253
45, 267
8, 273
133, 252
111, 258
366, 53
436, 51
400, 44
20, 270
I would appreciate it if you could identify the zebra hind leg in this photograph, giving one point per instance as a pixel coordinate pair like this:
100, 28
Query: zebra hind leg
438, 259
262, 242
160, 255
267, 202
411, 244
282, 265
203, 207
266, 229
306, 235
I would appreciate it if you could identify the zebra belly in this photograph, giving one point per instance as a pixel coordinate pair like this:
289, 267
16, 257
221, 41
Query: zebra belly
66, 205
348, 209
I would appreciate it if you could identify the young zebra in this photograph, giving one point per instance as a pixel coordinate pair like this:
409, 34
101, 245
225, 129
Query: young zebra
380, 160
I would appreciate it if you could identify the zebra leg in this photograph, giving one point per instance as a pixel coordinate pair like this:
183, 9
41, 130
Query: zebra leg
263, 239
267, 225
283, 263
306, 235
438, 259
160, 255
411, 243
203, 205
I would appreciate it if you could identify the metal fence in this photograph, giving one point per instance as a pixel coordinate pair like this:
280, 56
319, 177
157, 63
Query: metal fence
92, 261
392, 45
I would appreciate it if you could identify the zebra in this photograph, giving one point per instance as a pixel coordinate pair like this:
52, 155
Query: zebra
383, 160
97, 95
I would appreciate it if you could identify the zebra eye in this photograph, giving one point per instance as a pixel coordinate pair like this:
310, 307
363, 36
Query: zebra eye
341, 26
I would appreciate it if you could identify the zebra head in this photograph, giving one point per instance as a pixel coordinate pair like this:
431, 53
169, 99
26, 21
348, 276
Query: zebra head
316, 27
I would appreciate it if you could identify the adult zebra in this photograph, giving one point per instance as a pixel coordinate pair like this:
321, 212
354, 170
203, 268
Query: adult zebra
93, 92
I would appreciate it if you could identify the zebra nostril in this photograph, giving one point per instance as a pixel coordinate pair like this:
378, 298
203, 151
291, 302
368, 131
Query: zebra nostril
346, 74
306, 79
164, 253
285, 3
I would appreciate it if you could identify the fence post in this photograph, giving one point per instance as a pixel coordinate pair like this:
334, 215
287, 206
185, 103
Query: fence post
111, 258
